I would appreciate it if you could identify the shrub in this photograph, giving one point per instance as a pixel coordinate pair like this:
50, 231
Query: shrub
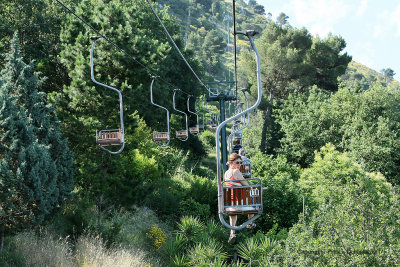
91, 251
207, 138
156, 236
43, 249
190, 207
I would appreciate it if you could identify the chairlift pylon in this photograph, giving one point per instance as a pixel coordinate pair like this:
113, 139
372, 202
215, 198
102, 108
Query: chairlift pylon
108, 137
160, 138
181, 134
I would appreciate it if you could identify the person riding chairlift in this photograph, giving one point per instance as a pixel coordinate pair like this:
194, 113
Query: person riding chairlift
233, 173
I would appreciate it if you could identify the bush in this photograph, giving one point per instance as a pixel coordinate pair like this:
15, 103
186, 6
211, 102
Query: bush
43, 249
190, 207
156, 236
91, 251
207, 138
282, 198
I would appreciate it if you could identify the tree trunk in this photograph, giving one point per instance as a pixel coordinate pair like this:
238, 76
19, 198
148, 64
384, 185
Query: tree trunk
263, 144
1, 240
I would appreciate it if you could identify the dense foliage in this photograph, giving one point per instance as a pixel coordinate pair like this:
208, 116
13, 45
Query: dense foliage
36, 165
324, 140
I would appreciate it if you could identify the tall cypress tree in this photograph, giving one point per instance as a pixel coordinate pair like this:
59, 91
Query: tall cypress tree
36, 165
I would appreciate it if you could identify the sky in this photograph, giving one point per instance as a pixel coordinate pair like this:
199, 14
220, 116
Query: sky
371, 28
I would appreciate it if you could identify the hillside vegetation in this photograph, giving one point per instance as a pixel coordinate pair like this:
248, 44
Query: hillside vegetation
324, 140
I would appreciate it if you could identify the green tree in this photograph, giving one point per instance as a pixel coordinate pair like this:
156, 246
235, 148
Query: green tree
329, 62
86, 107
36, 165
282, 200
293, 61
389, 74
38, 23
354, 219
283, 67
363, 123
282, 19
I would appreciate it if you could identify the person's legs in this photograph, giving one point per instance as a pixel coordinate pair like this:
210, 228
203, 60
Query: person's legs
232, 222
251, 225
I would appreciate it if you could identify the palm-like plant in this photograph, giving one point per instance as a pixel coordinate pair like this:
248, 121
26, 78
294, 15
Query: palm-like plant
205, 254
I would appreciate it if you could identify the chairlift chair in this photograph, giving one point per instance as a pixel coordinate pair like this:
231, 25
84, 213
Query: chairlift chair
193, 130
236, 134
181, 134
239, 199
160, 138
108, 137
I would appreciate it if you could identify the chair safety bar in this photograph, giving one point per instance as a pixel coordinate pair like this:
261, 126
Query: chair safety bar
243, 199
183, 134
160, 138
249, 35
121, 116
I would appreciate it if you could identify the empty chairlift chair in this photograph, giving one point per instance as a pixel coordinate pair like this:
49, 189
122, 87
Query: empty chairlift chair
160, 138
193, 130
108, 137
181, 134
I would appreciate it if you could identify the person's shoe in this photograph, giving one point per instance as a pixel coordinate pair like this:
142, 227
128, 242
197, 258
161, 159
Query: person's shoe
251, 226
232, 239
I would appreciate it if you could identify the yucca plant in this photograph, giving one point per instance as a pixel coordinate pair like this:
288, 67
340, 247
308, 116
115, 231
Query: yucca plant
204, 254
179, 261
251, 251
173, 247
189, 228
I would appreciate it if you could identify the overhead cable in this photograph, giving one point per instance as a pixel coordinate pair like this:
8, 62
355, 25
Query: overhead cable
116, 46
177, 48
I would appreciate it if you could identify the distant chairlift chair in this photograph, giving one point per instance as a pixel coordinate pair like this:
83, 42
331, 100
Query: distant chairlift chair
193, 130
181, 134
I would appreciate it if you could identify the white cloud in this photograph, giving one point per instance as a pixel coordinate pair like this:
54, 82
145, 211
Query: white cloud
378, 31
395, 17
318, 16
362, 8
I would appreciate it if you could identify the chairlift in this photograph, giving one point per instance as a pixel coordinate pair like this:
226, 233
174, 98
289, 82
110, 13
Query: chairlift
201, 126
238, 126
193, 130
108, 137
239, 199
160, 138
181, 134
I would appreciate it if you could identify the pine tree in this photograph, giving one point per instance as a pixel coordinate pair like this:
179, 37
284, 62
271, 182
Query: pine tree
36, 165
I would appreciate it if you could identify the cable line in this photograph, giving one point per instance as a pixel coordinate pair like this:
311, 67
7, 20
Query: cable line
116, 46
234, 47
177, 48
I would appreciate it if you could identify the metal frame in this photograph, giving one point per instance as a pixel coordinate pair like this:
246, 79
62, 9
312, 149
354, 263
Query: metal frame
249, 34
186, 117
94, 38
152, 102
197, 116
